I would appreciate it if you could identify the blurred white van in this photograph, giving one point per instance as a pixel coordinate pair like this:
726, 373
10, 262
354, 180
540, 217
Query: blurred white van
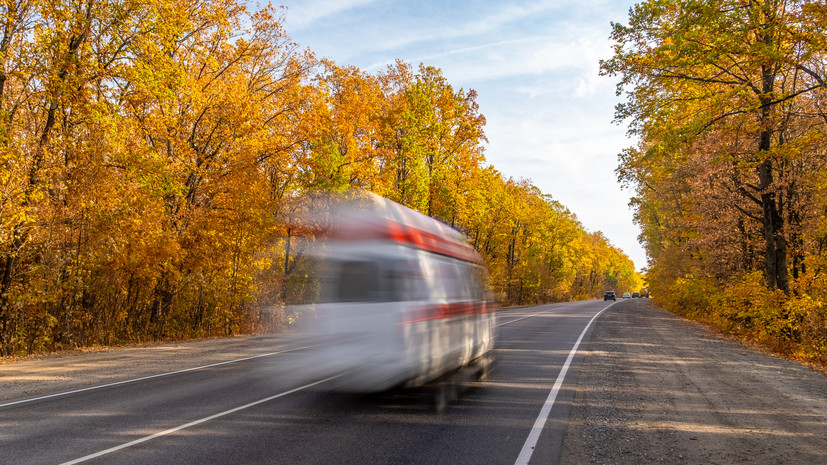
403, 300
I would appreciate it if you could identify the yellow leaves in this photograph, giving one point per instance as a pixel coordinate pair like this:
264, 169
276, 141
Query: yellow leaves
183, 130
725, 102
537, 250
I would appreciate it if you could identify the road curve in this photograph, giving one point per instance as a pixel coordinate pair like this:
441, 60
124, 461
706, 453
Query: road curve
253, 411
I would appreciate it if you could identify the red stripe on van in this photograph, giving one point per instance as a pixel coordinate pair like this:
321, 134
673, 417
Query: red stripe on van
408, 235
440, 311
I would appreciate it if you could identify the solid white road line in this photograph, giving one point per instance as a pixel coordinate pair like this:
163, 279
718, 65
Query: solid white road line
539, 424
159, 375
193, 423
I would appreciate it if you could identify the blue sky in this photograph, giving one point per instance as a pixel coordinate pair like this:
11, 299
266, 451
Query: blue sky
535, 67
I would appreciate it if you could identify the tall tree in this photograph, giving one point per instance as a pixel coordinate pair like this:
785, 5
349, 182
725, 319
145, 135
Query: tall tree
742, 70
55, 57
344, 127
442, 131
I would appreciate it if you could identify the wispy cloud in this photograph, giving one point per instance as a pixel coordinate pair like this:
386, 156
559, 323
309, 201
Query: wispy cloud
571, 64
457, 51
367, 27
535, 65
507, 14
303, 14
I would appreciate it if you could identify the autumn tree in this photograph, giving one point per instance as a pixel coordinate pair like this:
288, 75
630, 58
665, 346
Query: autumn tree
726, 99
735, 76
343, 148
57, 61
137, 139
538, 251
440, 133
152, 158
217, 111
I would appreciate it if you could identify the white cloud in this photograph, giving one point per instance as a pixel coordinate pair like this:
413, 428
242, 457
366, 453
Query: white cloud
305, 13
535, 66
447, 30
569, 151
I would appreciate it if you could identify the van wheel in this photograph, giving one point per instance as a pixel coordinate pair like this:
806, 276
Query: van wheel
484, 369
441, 398
484, 372
444, 393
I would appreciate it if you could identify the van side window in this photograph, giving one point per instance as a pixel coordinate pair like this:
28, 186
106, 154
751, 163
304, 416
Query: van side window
450, 277
405, 281
466, 282
358, 282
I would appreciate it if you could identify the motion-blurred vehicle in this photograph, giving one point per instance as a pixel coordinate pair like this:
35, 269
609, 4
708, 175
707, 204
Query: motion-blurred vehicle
403, 300
609, 295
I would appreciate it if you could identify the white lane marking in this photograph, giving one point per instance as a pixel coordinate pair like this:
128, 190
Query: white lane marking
159, 375
521, 319
533, 315
539, 424
193, 423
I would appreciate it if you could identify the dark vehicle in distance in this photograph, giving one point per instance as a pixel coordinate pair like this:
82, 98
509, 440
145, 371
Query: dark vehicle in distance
635, 295
610, 295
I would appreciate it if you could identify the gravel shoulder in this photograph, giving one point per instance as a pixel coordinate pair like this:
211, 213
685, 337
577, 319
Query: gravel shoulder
655, 388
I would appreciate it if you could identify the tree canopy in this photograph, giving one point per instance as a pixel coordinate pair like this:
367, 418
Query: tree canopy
727, 100
150, 153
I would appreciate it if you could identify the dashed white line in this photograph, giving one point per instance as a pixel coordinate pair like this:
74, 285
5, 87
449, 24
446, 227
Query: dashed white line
159, 375
539, 424
530, 316
192, 423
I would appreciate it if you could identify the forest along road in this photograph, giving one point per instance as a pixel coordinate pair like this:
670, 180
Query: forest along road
652, 388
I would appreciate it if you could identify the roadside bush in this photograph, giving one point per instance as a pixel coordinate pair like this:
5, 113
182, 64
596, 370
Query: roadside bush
793, 326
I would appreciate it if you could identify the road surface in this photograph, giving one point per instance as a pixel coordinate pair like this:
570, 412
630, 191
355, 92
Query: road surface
643, 386
250, 410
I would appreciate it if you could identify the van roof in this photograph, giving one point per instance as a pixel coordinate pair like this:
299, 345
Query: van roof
373, 217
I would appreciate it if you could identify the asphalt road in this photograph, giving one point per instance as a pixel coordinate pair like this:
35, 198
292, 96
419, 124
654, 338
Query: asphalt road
253, 411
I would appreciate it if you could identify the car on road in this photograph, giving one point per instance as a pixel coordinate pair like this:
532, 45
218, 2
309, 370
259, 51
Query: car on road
626, 295
635, 295
609, 295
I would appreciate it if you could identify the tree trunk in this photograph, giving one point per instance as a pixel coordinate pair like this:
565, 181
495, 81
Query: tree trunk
775, 249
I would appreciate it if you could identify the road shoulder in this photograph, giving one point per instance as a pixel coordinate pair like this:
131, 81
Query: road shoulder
656, 388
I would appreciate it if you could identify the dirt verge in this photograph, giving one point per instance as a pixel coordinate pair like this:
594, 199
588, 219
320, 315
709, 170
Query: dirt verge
658, 389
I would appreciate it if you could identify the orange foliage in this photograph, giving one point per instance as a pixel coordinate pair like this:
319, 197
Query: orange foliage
729, 175
150, 153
